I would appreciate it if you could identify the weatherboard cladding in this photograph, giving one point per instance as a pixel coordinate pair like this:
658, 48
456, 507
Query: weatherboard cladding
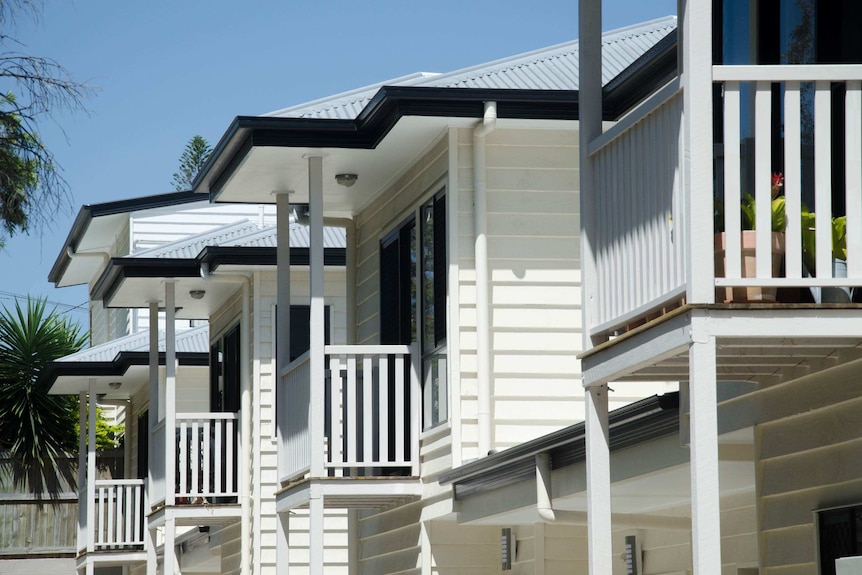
243, 233
195, 340
553, 68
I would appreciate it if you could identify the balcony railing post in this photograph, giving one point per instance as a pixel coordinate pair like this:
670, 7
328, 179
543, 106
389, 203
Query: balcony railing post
415, 402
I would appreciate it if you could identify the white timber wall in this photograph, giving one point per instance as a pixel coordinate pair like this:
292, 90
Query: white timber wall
107, 324
534, 270
151, 228
811, 460
264, 366
264, 471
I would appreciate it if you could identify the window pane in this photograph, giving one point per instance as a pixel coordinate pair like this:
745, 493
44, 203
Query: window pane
434, 390
427, 215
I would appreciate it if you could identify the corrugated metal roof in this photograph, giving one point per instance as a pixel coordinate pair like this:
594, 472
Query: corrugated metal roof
242, 233
194, 340
552, 68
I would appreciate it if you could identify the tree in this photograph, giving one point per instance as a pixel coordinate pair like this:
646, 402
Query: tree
193, 159
32, 190
37, 429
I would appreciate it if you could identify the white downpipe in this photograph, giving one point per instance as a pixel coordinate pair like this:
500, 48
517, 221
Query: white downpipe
483, 322
544, 506
245, 408
256, 439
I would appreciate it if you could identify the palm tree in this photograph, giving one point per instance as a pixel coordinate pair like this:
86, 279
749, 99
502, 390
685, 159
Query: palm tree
37, 429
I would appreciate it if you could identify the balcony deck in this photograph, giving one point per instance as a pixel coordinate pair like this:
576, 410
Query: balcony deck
643, 218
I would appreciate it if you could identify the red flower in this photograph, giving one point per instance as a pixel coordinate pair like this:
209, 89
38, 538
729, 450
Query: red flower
777, 183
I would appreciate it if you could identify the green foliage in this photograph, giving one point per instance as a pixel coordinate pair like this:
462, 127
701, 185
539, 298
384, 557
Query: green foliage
18, 172
809, 244
36, 427
748, 214
108, 435
193, 159
32, 190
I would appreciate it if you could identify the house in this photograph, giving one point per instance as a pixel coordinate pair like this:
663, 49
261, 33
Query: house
752, 467
460, 196
212, 276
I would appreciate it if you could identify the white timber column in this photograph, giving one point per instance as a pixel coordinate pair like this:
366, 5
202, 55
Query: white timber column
590, 127
282, 549
703, 422
83, 487
282, 251
170, 398
316, 358
152, 422
696, 24
91, 468
599, 531
170, 567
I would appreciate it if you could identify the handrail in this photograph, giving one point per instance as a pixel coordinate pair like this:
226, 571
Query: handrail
634, 116
788, 73
223, 415
295, 363
117, 482
365, 349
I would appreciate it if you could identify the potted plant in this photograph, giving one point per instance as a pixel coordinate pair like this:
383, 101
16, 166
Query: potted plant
839, 257
748, 218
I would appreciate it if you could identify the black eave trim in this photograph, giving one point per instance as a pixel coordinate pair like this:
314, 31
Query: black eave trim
90, 211
214, 256
116, 367
390, 103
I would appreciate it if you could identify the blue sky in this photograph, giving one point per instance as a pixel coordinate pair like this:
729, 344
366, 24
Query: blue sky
167, 70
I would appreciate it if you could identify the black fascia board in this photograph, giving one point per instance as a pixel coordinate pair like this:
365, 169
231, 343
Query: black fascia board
215, 256
90, 211
637, 423
651, 70
654, 68
379, 116
121, 268
117, 366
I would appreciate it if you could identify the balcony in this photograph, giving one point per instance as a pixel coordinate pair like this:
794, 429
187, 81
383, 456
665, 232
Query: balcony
360, 421
205, 460
111, 523
790, 119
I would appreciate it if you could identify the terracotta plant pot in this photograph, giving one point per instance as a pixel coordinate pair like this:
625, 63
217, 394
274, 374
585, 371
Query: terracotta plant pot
749, 269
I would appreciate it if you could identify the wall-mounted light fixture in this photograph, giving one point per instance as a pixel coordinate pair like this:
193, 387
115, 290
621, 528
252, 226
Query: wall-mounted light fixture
346, 180
507, 549
633, 555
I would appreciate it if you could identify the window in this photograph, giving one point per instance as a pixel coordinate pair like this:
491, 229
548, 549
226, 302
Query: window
433, 261
840, 535
413, 298
225, 372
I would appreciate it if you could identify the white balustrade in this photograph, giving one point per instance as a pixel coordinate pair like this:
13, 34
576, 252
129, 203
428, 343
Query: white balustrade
809, 98
635, 236
207, 450
119, 514
294, 397
372, 414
